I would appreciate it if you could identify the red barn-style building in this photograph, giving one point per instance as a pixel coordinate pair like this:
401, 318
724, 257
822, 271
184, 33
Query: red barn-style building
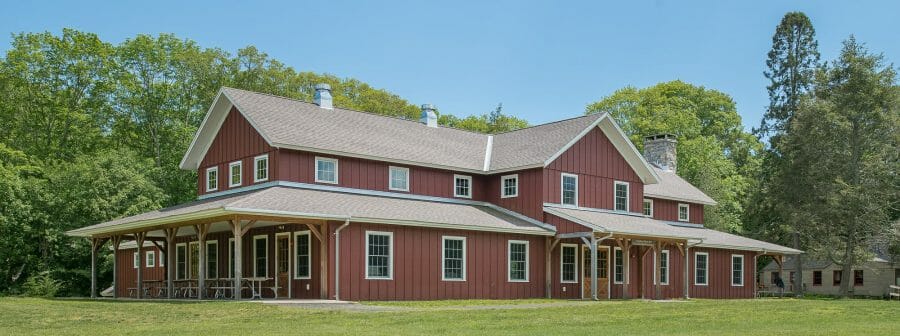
306, 200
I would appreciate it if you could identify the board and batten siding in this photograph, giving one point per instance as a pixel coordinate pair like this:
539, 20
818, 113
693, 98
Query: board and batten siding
528, 202
667, 210
598, 165
417, 266
127, 274
236, 140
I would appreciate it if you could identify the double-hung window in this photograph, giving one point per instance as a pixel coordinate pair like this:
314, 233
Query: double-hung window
648, 207
568, 267
664, 268
151, 258
836, 278
212, 259
518, 261
261, 168
261, 256
737, 270
326, 170
301, 255
454, 258
379, 255
399, 178
509, 186
621, 196
462, 186
181, 261
235, 174
194, 260
858, 277
817, 278
212, 179
569, 189
618, 266
684, 212
701, 264
136, 262
231, 257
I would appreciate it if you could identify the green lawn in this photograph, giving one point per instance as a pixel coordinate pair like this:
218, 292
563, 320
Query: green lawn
22, 316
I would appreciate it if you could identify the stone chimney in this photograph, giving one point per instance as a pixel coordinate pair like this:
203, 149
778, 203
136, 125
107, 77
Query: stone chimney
429, 118
659, 150
323, 96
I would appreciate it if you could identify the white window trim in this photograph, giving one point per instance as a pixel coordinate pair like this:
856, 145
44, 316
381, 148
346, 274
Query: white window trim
651, 207
463, 177
503, 182
731, 275
187, 261
297, 234
562, 190
206, 264
162, 259
150, 258
687, 213
444, 240
614, 264
627, 195
668, 266
255, 238
391, 170
706, 270
509, 260
390, 254
230, 255
256, 160
231, 166
206, 180
563, 246
316, 169
135, 259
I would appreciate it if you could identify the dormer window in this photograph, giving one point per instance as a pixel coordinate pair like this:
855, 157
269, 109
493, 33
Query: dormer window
261, 168
462, 186
620, 194
326, 170
234, 174
399, 179
212, 179
569, 189
684, 212
509, 186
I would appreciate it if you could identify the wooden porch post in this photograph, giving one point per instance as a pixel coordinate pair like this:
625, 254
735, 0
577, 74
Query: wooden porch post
96, 244
139, 239
171, 233
322, 235
550, 244
658, 267
625, 245
687, 271
238, 230
594, 267
116, 241
202, 230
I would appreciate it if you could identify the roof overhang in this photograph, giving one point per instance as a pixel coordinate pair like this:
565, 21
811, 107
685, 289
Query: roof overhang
678, 199
618, 138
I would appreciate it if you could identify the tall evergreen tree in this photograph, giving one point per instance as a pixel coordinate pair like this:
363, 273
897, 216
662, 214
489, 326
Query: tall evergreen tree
791, 67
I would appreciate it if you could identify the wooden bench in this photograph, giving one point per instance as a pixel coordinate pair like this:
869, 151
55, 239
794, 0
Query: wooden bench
894, 292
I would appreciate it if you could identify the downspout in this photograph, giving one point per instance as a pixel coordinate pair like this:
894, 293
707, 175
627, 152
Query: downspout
337, 259
687, 269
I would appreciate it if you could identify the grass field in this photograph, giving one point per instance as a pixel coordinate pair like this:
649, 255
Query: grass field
23, 316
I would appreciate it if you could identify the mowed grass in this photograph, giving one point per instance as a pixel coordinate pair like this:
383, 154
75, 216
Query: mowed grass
25, 316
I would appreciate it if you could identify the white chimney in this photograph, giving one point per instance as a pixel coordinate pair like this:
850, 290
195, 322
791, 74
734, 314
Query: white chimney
429, 118
323, 96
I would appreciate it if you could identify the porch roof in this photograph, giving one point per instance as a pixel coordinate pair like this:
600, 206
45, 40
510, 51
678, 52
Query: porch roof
302, 203
636, 225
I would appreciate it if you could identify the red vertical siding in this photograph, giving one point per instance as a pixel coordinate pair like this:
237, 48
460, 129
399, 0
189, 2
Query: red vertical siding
126, 276
529, 201
720, 275
667, 210
598, 165
236, 140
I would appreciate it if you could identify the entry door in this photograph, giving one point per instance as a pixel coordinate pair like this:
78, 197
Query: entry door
282, 269
602, 272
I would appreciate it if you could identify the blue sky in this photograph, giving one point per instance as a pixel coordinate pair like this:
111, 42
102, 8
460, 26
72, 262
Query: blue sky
543, 60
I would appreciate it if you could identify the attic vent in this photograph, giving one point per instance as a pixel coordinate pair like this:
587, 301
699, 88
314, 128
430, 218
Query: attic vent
659, 150
323, 96
429, 118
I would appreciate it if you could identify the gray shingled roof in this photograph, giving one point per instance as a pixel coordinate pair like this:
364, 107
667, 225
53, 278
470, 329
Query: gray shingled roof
616, 223
289, 201
672, 186
290, 122
535, 145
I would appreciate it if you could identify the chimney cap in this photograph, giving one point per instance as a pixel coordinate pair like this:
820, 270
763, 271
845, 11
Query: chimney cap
661, 136
428, 107
323, 86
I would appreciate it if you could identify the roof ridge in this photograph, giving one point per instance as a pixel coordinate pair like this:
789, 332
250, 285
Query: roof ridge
549, 123
353, 110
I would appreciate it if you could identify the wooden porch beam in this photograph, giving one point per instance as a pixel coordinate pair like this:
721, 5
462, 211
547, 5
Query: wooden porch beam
202, 230
116, 242
171, 234
96, 244
139, 239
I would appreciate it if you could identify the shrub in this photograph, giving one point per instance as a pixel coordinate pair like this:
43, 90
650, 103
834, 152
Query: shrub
42, 285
